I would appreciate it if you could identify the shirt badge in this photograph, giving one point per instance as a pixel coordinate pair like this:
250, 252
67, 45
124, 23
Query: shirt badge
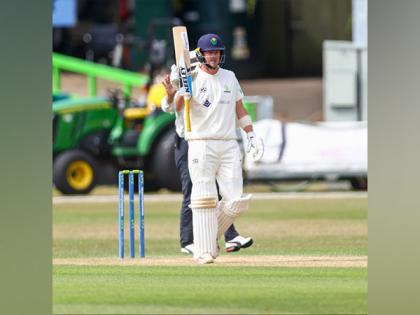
207, 103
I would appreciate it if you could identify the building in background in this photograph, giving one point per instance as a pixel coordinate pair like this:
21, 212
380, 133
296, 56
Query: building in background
345, 72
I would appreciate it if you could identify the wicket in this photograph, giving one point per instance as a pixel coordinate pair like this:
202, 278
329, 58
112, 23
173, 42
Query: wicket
140, 184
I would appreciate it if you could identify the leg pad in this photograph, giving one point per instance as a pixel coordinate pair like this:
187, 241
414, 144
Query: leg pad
228, 211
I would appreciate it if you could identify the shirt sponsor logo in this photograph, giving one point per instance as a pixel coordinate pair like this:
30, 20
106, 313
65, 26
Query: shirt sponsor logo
207, 103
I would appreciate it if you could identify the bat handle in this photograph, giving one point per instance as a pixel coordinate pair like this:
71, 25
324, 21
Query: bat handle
187, 114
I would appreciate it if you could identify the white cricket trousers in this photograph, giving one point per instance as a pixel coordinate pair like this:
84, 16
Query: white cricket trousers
208, 161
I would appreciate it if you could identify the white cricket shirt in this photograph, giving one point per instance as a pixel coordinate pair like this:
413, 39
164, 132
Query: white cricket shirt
213, 105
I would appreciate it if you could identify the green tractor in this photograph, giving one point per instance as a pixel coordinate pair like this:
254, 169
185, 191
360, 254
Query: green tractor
95, 137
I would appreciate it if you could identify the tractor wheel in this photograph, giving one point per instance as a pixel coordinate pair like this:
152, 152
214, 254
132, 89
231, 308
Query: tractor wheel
75, 172
163, 162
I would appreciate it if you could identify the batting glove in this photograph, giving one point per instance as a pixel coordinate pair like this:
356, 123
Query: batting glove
255, 146
174, 76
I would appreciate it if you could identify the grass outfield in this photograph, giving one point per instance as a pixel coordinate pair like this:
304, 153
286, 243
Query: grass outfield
289, 228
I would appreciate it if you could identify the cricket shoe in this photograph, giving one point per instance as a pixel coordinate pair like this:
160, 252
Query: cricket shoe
237, 243
189, 249
205, 258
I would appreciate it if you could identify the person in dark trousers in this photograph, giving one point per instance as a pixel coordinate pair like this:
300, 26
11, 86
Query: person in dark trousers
233, 241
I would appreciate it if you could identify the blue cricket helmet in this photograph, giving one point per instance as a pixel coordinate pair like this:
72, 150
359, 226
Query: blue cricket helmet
210, 42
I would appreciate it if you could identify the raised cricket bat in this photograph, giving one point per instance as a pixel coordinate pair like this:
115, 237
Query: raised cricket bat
182, 56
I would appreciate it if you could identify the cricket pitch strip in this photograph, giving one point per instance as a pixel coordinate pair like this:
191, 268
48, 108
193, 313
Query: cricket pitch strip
224, 261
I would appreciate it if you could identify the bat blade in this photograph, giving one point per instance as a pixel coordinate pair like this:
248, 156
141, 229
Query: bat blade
181, 42
182, 56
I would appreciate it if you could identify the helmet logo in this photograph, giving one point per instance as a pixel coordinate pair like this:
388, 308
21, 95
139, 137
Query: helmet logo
213, 41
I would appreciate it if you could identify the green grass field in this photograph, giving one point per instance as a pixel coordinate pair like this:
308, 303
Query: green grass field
169, 282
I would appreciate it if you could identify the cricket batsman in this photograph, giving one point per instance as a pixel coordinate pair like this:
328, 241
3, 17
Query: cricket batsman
215, 109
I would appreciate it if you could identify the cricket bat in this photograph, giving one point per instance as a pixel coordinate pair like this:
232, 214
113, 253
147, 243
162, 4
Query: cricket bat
182, 56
